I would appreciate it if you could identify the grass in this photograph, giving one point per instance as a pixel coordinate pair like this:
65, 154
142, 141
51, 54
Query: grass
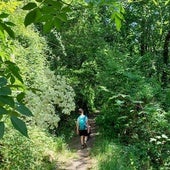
41, 152
109, 154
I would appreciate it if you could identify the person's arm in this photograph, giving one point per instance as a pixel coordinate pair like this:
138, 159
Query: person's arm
77, 127
87, 123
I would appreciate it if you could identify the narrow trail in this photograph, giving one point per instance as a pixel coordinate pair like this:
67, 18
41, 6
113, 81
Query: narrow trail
83, 160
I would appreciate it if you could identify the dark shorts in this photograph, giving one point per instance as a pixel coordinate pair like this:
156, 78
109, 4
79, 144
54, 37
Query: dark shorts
83, 133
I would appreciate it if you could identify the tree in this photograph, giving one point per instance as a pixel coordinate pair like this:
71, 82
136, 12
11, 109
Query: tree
51, 13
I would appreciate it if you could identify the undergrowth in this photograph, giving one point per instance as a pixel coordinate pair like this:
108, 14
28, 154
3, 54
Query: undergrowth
41, 152
110, 154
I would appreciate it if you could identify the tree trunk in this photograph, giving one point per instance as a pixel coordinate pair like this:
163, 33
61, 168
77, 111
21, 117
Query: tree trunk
165, 59
143, 38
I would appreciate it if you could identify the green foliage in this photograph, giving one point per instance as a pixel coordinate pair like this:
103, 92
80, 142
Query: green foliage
14, 104
118, 73
41, 151
130, 109
110, 154
50, 95
6, 26
50, 13
2, 129
10, 107
11, 82
19, 125
114, 7
134, 122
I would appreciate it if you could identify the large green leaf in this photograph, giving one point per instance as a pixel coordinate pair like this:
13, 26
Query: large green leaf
19, 125
29, 6
7, 100
48, 26
3, 81
14, 69
46, 10
117, 22
5, 91
166, 2
8, 30
2, 129
56, 5
30, 17
20, 96
57, 23
10, 23
4, 15
12, 79
62, 17
39, 0
3, 111
44, 18
66, 9
23, 109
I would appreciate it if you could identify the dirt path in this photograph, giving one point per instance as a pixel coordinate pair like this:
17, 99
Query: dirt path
83, 160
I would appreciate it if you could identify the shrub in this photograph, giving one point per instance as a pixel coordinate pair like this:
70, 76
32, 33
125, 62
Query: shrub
109, 154
145, 126
41, 151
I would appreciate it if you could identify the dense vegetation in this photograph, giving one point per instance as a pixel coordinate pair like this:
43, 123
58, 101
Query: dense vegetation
111, 57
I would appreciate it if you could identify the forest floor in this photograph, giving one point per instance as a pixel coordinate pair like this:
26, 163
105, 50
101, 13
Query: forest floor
83, 159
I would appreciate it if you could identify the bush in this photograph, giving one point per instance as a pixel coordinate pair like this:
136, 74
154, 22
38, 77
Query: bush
144, 126
111, 154
40, 152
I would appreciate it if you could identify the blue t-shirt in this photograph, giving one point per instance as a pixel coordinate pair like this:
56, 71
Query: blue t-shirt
82, 122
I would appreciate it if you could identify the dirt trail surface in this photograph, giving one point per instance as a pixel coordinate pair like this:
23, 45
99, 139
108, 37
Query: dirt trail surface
83, 160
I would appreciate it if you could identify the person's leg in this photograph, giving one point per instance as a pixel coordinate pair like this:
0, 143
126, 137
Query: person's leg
82, 140
85, 139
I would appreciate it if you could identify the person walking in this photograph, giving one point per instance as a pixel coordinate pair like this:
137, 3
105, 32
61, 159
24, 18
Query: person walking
82, 128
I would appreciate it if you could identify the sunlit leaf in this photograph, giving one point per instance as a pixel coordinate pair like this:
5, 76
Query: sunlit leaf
166, 2
154, 1
104, 89
118, 22
119, 102
122, 117
160, 31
